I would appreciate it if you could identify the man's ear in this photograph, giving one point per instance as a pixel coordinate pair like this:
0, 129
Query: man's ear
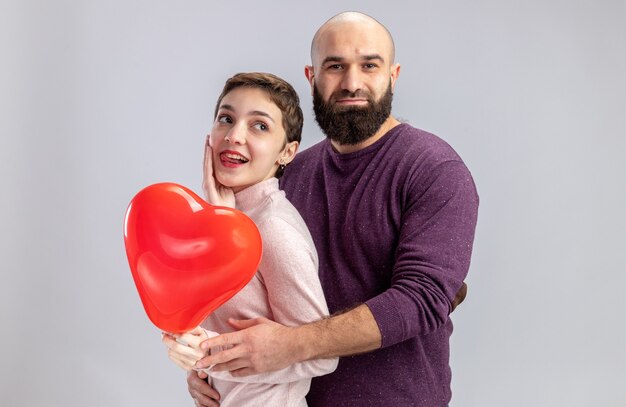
395, 72
308, 72
289, 152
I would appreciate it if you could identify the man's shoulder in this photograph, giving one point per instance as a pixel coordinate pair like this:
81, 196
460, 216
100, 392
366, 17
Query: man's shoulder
416, 138
302, 166
415, 141
305, 159
310, 153
427, 157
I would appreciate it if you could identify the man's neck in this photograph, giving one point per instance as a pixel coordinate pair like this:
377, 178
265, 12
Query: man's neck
387, 125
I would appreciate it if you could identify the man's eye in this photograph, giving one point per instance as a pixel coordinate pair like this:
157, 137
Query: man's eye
370, 66
335, 66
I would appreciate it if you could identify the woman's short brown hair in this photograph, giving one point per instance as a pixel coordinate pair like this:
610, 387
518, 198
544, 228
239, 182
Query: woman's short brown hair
279, 91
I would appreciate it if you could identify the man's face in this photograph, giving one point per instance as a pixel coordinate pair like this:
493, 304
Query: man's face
350, 125
352, 76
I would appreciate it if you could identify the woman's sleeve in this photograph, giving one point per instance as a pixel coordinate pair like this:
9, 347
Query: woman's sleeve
289, 270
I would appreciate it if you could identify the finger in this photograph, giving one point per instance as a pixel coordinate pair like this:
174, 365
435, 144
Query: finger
189, 358
246, 371
168, 334
205, 167
196, 331
203, 401
202, 374
193, 340
183, 351
170, 342
460, 296
184, 339
182, 343
200, 389
186, 353
228, 339
234, 365
188, 361
210, 184
208, 155
181, 364
209, 162
224, 356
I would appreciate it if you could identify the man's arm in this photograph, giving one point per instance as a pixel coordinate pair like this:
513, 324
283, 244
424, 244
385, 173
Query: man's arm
263, 345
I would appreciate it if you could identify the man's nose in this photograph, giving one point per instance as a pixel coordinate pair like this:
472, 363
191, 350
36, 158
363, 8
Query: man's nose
352, 80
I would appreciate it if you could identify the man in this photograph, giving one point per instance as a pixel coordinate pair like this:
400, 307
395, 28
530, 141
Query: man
392, 210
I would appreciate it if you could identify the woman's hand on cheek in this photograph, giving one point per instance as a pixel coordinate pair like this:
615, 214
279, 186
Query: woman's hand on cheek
214, 192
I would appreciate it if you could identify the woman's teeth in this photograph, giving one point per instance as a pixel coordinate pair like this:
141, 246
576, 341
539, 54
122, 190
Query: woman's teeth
236, 157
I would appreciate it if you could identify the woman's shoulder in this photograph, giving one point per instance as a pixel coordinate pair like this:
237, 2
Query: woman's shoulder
279, 215
280, 223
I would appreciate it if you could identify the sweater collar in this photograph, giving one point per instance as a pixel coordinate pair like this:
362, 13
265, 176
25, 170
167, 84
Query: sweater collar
369, 149
251, 197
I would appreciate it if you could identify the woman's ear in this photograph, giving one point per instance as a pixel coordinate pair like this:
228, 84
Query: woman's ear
289, 152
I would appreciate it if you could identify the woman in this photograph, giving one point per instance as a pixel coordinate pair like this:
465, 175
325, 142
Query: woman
256, 133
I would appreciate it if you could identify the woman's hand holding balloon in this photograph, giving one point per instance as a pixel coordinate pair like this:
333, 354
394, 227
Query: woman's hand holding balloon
184, 349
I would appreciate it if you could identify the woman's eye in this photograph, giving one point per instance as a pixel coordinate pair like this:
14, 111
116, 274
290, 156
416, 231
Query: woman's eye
260, 126
224, 119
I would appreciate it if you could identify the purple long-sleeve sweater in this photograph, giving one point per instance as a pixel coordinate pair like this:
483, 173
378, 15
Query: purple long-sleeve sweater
393, 225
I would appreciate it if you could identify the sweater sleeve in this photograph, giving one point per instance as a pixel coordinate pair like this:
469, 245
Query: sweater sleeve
439, 214
289, 271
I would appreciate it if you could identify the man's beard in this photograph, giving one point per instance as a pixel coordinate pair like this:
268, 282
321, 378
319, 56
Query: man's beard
350, 125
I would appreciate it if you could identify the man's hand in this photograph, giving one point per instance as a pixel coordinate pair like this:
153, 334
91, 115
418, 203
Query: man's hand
202, 393
260, 345
460, 296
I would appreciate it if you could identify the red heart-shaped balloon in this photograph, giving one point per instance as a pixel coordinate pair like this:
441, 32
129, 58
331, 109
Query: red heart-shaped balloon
187, 257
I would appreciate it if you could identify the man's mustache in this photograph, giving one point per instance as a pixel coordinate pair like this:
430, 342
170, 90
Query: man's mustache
359, 94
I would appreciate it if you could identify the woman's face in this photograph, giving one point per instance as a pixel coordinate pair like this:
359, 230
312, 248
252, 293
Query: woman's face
248, 139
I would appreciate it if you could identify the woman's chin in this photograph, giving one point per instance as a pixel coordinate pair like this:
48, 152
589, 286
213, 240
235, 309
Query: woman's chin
226, 181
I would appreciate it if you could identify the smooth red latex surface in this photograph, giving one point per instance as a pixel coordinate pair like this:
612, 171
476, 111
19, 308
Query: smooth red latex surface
187, 257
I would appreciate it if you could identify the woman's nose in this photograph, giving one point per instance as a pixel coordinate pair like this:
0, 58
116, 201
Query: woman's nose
237, 135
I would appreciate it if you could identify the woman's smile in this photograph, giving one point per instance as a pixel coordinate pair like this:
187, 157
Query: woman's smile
232, 159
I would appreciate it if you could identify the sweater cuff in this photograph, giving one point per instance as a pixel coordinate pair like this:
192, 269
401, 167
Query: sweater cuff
388, 319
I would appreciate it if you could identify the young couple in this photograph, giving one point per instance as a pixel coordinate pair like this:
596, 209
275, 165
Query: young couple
391, 210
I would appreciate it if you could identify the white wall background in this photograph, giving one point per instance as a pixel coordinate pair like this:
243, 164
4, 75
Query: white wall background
101, 98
